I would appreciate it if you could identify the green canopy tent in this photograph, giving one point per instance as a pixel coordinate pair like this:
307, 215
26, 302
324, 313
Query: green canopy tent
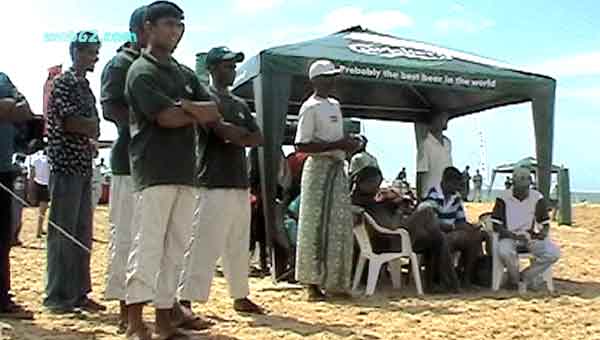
388, 78
528, 162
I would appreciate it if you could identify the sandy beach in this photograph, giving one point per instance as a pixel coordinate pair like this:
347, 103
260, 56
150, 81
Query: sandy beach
572, 312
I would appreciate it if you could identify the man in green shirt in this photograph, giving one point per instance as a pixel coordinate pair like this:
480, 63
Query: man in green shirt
224, 182
115, 110
167, 105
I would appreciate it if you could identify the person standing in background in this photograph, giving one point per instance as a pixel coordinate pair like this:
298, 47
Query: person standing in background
434, 156
73, 127
477, 184
467, 184
39, 174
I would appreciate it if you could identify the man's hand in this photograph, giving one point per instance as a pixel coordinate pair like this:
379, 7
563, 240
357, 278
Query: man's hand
541, 235
88, 127
349, 144
466, 226
23, 110
520, 237
205, 113
13, 111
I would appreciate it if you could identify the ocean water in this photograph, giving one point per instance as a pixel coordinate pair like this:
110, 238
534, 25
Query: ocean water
576, 197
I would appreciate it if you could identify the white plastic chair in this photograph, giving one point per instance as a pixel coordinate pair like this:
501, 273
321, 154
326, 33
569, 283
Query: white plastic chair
376, 261
497, 265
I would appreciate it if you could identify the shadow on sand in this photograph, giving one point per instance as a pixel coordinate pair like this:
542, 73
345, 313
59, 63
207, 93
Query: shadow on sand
290, 324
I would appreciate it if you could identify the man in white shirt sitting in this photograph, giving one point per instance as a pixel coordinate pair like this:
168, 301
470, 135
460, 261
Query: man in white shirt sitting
520, 216
434, 155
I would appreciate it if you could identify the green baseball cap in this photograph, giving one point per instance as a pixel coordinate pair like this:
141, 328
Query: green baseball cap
220, 54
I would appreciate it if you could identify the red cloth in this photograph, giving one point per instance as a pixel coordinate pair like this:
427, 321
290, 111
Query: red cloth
53, 72
296, 162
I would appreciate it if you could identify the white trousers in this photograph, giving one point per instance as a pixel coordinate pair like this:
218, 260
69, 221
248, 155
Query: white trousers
545, 254
221, 230
121, 235
163, 220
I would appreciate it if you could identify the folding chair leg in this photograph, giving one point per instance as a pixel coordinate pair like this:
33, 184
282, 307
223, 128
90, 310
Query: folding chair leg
497, 272
360, 267
549, 280
374, 269
416, 270
396, 273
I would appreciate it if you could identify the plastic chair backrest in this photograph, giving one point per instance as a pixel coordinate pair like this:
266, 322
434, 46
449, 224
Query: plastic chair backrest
362, 237
406, 241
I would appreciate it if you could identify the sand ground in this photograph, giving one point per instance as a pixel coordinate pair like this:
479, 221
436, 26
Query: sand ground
572, 312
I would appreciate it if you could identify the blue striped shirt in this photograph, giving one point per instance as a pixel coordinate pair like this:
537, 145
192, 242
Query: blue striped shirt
450, 212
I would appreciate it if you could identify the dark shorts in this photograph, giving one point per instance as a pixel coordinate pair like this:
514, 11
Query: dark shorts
41, 193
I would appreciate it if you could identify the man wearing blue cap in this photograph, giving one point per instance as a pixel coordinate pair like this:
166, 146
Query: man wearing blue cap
114, 107
223, 182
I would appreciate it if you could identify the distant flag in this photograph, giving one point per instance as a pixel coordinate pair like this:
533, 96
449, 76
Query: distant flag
53, 72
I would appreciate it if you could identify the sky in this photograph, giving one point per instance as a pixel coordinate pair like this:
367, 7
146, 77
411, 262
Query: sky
555, 38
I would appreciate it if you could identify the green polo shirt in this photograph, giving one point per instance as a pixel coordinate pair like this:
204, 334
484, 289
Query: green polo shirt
224, 164
161, 156
112, 90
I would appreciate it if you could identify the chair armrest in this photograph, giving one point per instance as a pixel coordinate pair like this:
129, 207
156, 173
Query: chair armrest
381, 229
404, 235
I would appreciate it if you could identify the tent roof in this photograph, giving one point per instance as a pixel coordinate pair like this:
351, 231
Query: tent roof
529, 162
385, 77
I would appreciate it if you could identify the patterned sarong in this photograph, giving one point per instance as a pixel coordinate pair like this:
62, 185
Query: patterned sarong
325, 239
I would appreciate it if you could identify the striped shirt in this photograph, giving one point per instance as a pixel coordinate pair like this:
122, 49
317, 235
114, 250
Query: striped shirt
450, 211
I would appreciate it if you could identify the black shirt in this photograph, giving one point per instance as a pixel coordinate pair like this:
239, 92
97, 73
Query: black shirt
162, 156
112, 90
224, 164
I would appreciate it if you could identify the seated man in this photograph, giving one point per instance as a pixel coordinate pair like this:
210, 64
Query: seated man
462, 237
521, 219
361, 158
392, 212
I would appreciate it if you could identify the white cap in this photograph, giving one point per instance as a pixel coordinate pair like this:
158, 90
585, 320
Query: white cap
322, 68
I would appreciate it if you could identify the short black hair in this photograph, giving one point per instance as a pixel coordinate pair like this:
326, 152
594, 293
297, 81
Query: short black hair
162, 9
136, 21
452, 174
83, 39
